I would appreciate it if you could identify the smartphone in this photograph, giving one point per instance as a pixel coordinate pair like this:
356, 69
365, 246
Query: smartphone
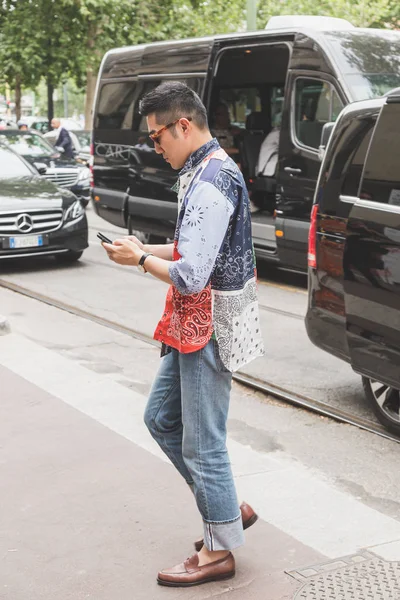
103, 238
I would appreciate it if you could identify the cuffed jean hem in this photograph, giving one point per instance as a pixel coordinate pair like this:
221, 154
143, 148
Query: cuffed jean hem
223, 536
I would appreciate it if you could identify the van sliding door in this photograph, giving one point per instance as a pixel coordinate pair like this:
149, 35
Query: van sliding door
311, 101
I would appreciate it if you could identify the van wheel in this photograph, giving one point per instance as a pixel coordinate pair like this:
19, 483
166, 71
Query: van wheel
385, 402
145, 238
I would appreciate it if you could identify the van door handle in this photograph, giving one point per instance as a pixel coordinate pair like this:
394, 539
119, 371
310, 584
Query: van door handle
292, 171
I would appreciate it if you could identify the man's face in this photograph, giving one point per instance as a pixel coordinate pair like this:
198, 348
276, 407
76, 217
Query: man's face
55, 123
173, 143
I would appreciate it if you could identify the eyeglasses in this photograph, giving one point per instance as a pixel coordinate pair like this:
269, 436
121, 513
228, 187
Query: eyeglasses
155, 137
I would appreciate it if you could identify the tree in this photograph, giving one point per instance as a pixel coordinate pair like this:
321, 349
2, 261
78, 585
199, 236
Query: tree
359, 12
28, 53
15, 67
107, 24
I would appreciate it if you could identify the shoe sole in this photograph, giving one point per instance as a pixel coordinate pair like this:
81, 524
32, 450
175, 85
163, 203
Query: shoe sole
192, 583
198, 545
250, 521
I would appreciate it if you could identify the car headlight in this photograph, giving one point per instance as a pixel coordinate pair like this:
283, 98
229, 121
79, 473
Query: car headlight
84, 175
74, 211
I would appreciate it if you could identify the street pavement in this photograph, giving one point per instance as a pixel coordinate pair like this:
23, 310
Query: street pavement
136, 300
90, 507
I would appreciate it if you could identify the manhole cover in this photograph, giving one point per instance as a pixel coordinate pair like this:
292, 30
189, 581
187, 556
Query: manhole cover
373, 579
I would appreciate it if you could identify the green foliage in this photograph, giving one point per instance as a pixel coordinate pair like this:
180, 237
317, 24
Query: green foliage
359, 12
59, 39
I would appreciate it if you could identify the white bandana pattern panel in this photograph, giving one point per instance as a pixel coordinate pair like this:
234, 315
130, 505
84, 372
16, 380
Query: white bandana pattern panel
237, 326
186, 179
184, 182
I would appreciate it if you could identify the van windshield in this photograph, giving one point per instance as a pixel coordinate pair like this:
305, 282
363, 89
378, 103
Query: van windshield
369, 61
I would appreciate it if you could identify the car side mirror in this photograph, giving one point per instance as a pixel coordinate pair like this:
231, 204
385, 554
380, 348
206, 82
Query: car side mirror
325, 137
41, 167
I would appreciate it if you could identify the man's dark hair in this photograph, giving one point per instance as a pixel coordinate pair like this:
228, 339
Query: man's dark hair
173, 100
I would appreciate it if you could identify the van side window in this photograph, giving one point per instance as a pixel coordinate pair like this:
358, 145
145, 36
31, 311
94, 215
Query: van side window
344, 162
316, 103
116, 105
355, 164
381, 178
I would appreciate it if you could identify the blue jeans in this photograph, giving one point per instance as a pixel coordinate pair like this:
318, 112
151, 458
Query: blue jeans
186, 414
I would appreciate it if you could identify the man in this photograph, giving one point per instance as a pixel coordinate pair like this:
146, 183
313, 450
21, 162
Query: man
22, 125
210, 326
63, 138
142, 145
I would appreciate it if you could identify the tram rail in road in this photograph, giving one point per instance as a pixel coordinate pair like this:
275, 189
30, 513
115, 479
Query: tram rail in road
255, 384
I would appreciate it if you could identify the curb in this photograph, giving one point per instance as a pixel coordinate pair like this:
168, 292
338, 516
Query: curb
4, 326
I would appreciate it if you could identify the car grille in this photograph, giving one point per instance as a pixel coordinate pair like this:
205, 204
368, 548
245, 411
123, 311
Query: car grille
62, 177
42, 221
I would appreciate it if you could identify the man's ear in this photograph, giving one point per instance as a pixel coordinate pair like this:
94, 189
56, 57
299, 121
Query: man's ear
184, 124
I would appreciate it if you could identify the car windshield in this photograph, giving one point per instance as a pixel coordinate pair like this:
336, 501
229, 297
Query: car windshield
12, 166
27, 144
369, 61
83, 139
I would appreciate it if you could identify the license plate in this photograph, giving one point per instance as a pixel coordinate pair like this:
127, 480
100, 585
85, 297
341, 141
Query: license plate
26, 241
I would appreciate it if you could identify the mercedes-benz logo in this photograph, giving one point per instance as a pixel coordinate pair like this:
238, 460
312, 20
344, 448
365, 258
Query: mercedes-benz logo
24, 223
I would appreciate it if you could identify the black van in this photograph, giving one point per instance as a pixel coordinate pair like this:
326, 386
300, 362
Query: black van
293, 79
354, 251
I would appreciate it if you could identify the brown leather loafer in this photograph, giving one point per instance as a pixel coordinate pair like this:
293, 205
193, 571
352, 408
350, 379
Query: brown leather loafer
189, 573
249, 517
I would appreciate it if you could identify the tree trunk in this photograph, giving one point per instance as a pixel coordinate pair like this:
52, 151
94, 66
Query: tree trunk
50, 103
18, 97
91, 79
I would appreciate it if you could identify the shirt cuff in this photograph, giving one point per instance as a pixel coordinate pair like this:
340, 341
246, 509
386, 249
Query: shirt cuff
176, 278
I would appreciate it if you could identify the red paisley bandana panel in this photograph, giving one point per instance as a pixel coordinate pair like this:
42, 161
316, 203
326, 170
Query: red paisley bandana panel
186, 324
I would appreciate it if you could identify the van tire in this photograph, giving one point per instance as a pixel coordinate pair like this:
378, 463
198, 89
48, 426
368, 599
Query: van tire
385, 405
145, 238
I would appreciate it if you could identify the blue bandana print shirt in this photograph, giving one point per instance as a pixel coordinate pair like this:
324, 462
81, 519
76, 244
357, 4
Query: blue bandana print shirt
214, 241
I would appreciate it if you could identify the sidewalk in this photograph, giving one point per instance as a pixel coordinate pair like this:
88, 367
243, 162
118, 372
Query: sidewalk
88, 514
90, 507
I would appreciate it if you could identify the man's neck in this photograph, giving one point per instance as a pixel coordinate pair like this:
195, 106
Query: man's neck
200, 140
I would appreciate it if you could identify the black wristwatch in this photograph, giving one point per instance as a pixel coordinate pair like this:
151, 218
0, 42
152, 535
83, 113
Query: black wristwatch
141, 261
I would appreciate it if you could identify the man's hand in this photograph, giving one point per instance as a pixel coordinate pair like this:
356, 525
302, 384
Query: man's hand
124, 252
134, 239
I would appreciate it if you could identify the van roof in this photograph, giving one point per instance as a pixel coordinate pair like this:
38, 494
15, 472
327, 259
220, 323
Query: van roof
193, 54
314, 33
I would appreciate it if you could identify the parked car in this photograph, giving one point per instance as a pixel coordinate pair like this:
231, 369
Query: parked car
354, 251
289, 79
63, 171
81, 139
36, 217
40, 124
6, 122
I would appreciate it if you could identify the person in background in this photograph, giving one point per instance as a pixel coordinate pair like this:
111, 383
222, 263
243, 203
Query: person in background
224, 131
268, 157
22, 125
142, 145
63, 140
267, 160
